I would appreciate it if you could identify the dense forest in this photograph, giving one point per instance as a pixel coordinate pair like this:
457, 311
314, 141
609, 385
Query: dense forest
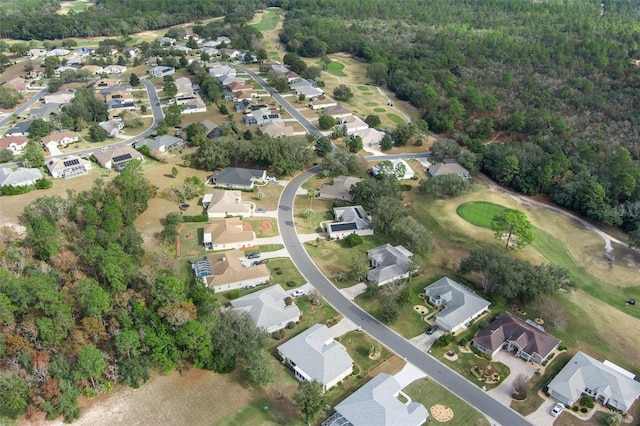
552, 85
80, 311
35, 20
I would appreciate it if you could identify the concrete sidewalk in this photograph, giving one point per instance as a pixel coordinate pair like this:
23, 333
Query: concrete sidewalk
409, 374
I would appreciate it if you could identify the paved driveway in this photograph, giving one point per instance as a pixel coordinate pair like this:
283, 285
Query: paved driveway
344, 326
354, 291
542, 416
409, 374
517, 366
424, 341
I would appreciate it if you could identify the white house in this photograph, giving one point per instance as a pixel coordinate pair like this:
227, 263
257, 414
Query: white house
377, 403
228, 233
117, 158
223, 271
60, 139
19, 177
14, 143
114, 69
271, 308
68, 167
315, 355
606, 382
227, 203
349, 220
353, 124
389, 264
339, 189
460, 305
161, 71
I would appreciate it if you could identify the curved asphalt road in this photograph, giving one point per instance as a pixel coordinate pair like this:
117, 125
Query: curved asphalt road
448, 378
26, 105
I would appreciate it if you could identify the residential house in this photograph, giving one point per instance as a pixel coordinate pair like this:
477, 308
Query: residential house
223, 271
93, 69
61, 97
14, 143
241, 95
19, 177
228, 233
458, 304
220, 70
236, 177
68, 167
339, 189
131, 52
389, 264
291, 76
166, 41
236, 86
45, 111
243, 106
399, 167
115, 69
280, 68
162, 143
58, 52
62, 69
321, 102
309, 92
315, 355
112, 127
161, 71
525, 339
353, 124
120, 93
225, 80
211, 51
377, 403
117, 158
182, 48
60, 139
230, 53
35, 53
337, 112
349, 220
83, 51
115, 107
75, 61
18, 84
275, 129
260, 116
301, 82
209, 125
449, 168
21, 128
227, 203
606, 382
269, 308
370, 137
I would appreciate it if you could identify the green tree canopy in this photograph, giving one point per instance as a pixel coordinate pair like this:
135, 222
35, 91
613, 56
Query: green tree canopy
513, 227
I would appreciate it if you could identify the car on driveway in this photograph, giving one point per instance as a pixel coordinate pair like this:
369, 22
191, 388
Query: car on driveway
261, 210
557, 409
432, 329
254, 256
299, 292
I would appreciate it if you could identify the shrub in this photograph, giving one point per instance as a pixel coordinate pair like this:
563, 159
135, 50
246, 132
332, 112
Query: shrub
353, 240
587, 401
483, 324
278, 334
538, 373
291, 325
544, 363
444, 340
233, 294
198, 218
575, 408
291, 283
463, 342
562, 348
405, 187
584, 409
419, 142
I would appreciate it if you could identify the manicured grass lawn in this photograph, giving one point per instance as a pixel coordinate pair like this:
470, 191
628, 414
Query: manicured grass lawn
371, 104
538, 382
259, 412
288, 272
363, 88
265, 248
358, 344
466, 361
395, 118
268, 22
322, 213
261, 231
429, 393
335, 68
479, 213
191, 241
379, 109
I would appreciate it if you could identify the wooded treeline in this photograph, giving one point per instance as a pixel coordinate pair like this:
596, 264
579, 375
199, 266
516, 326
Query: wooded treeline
553, 84
80, 311
117, 17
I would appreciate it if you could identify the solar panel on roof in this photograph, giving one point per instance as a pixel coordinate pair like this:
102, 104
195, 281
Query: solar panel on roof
123, 157
70, 163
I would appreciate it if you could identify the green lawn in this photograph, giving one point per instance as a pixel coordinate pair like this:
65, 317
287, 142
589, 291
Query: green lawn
268, 22
260, 412
466, 361
479, 213
287, 273
263, 248
261, 231
335, 68
395, 118
363, 88
429, 393
358, 344
379, 109
371, 104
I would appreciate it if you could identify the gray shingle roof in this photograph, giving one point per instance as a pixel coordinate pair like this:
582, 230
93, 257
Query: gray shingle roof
316, 353
460, 302
583, 371
19, 176
390, 261
442, 169
236, 176
158, 142
376, 403
267, 307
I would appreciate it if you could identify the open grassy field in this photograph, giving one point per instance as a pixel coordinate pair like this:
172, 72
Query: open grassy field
429, 393
335, 68
267, 20
283, 271
479, 213
74, 5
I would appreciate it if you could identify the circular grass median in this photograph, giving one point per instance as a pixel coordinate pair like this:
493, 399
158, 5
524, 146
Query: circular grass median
479, 213
379, 109
363, 88
370, 104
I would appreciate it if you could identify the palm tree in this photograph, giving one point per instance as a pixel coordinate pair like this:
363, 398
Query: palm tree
311, 195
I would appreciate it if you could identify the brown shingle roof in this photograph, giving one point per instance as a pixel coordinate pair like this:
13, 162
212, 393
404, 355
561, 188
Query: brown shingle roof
227, 231
226, 268
506, 327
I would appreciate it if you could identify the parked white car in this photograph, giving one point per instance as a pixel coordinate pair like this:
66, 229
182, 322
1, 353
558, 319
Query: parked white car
557, 409
299, 292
